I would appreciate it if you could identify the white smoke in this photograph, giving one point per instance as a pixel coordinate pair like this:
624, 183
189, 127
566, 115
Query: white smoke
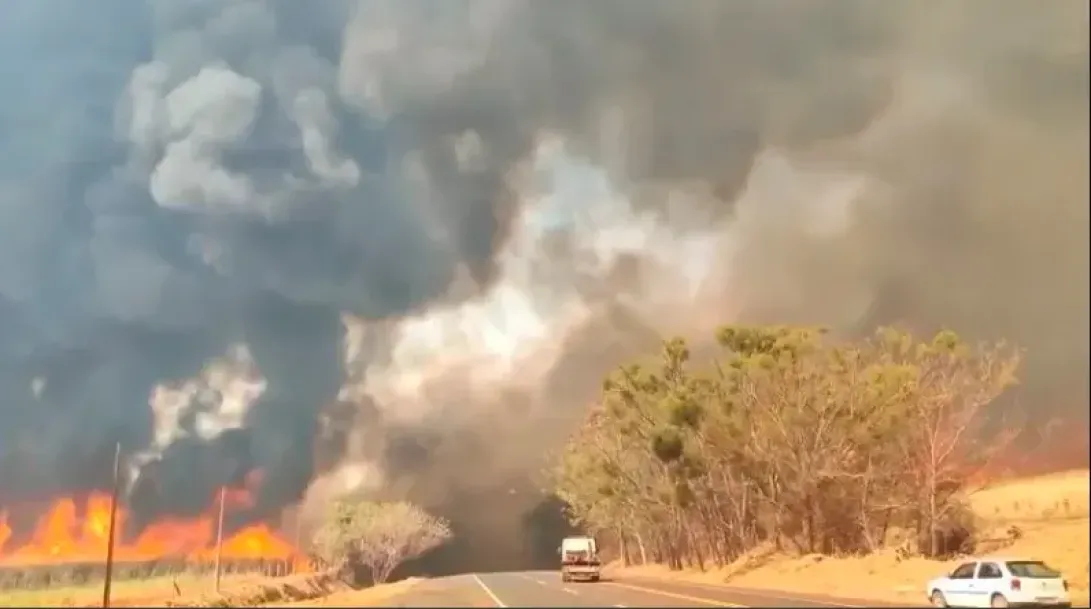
508, 339
215, 400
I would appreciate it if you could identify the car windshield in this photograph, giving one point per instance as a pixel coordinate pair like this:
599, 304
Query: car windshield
1032, 569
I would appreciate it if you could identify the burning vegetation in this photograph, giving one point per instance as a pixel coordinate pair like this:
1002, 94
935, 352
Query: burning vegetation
71, 535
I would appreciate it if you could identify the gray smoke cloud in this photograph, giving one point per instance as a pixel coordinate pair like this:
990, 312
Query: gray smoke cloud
393, 245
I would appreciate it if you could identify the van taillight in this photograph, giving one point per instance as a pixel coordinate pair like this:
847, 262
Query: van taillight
1016, 585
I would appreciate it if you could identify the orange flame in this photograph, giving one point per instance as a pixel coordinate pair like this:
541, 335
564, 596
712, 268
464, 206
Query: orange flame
62, 536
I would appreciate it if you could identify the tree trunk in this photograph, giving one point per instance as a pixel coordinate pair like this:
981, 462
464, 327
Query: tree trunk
640, 546
933, 543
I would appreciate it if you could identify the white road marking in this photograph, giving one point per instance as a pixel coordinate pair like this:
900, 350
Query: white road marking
492, 595
684, 597
622, 606
571, 591
532, 578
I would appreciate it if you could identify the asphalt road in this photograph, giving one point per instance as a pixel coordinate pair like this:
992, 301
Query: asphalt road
545, 589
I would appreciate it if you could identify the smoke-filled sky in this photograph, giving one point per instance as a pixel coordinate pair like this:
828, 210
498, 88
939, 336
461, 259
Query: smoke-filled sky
502, 199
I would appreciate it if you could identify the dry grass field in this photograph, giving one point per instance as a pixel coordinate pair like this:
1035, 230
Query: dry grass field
185, 591
1044, 518
124, 592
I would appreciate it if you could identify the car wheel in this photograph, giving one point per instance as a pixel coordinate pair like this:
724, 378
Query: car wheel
998, 600
938, 600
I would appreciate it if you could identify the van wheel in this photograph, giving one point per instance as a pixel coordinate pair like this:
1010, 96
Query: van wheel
938, 599
998, 600
594, 578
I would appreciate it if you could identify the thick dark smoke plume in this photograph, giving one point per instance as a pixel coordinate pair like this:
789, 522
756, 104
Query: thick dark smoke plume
196, 195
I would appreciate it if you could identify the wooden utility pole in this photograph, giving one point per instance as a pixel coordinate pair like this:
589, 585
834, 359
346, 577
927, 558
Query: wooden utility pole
220, 538
112, 529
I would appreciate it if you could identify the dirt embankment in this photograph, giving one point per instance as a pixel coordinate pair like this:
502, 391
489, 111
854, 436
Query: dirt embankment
267, 591
375, 596
1044, 518
292, 591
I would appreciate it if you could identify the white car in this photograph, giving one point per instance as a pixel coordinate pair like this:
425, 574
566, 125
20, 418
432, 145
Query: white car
1000, 582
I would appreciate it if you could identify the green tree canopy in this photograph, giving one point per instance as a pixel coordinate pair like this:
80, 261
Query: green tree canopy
788, 436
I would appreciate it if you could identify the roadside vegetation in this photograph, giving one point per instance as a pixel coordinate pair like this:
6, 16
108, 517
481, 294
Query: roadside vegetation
74, 584
180, 588
792, 440
367, 540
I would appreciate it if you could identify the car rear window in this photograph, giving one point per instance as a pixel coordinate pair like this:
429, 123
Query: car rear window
1032, 569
